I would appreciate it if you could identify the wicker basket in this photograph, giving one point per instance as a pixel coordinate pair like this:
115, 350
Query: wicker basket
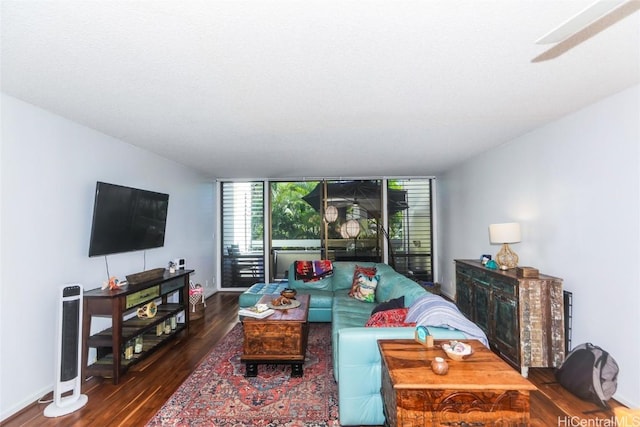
196, 301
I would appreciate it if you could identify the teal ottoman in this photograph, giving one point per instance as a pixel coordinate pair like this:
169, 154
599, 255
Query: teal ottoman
255, 292
319, 304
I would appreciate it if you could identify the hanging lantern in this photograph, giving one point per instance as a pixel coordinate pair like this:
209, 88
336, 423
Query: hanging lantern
352, 228
343, 231
331, 214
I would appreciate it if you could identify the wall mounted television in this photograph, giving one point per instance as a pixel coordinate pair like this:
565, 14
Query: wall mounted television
127, 219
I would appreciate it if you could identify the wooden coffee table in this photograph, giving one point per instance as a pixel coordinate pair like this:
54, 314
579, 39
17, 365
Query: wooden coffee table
482, 390
279, 338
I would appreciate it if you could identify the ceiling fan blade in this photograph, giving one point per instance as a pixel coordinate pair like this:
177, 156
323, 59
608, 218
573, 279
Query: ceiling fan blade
581, 20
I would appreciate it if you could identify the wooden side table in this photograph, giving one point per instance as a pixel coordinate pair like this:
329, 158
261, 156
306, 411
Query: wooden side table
482, 390
279, 338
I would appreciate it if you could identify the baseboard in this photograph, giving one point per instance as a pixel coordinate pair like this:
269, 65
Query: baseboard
25, 403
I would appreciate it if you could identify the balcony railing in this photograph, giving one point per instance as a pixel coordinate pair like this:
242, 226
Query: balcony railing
241, 270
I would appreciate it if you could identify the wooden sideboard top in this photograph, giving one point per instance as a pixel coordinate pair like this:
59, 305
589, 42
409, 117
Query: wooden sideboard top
129, 289
511, 273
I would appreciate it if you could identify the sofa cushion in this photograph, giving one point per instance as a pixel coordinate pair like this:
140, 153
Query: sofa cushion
319, 298
394, 285
324, 284
363, 286
389, 305
389, 318
349, 312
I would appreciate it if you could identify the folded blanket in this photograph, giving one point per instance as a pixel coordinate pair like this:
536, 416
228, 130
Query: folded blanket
311, 271
433, 310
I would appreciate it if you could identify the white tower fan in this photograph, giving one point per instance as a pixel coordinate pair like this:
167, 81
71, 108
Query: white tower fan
68, 368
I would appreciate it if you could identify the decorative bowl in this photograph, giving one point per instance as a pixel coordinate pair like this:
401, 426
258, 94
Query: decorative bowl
288, 293
457, 356
456, 350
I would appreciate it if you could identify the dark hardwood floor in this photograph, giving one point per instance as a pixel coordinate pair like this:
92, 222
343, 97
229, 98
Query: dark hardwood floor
147, 385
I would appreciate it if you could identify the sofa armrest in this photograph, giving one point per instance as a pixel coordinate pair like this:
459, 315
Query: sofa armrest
360, 370
359, 382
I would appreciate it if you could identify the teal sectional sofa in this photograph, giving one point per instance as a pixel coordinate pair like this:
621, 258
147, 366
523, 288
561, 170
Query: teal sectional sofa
356, 359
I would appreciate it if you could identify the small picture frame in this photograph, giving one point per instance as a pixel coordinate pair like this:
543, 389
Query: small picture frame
423, 336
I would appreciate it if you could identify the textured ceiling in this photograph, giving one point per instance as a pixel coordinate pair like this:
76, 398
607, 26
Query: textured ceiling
336, 88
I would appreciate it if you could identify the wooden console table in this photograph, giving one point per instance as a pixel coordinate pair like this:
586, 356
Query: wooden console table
482, 390
121, 305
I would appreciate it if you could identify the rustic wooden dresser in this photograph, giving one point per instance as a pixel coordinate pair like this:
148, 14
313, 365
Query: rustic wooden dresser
522, 317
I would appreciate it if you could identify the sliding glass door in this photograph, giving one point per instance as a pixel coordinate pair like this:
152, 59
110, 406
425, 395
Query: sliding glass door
296, 227
378, 220
354, 218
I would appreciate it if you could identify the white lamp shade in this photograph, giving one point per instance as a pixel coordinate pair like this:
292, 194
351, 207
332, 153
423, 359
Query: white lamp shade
508, 232
331, 214
352, 228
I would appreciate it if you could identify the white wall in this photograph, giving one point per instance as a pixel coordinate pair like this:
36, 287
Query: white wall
50, 166
574, 185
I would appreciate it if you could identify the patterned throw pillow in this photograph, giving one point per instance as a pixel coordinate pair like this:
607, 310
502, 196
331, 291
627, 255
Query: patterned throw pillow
390, 318
363, 286
368, 271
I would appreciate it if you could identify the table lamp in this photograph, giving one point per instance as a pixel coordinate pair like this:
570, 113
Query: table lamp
504, 234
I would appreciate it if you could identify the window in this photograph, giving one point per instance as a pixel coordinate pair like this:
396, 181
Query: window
410, 229
242, 218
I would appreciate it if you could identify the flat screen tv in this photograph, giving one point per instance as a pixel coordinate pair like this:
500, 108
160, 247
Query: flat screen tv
127, 219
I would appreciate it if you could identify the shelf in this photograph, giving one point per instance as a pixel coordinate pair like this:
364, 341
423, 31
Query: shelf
103, 367
136, 326
121, 305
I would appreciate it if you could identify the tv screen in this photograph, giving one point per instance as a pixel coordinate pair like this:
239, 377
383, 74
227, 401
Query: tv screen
127, 219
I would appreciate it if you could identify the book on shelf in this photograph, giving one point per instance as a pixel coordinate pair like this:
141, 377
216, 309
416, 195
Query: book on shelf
258, 311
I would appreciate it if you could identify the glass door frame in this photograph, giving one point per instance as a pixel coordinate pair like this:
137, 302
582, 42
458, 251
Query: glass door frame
267, 234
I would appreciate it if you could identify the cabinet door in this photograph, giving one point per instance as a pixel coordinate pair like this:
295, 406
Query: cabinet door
506, 335
482, 298
464, 292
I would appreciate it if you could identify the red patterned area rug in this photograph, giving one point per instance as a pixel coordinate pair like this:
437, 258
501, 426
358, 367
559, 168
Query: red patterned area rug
218, 394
